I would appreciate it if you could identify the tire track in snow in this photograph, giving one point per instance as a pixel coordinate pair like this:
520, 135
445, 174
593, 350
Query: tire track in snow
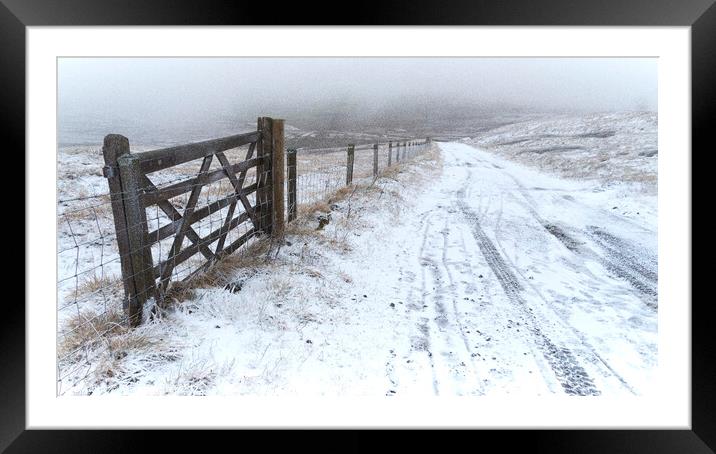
418, 332
436, 331
622, 259
483, 314
422, 342
454, 357
623, 265
626, 253
597, 359
442, 351
572, 377
452, 287
606, 214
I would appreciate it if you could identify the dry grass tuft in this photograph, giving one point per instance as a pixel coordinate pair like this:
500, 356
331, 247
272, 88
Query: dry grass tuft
93, 284
392, 171
317, 207
221, 273
313, 273
111, 370
343, 193
132, 340
89, 329
182, 291
301, 229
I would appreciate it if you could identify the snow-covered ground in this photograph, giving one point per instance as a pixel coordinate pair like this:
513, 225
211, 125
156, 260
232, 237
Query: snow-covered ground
607, 147
460, 273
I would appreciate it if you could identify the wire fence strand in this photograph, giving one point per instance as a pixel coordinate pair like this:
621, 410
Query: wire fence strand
213, 218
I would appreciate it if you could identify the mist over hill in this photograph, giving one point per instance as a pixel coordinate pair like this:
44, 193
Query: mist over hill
156, 101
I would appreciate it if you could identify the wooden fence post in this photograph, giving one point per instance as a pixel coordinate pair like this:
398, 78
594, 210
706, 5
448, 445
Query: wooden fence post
263, 174
405, 149
278, 163
375, 161
291, 167
397, 152
349, 164
390, 151
139, 251
114, 147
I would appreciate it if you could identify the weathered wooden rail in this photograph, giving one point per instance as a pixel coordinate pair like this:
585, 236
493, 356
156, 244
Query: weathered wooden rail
147, 280
255, 199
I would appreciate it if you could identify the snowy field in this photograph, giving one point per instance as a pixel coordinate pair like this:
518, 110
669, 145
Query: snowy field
607, 147
460, 273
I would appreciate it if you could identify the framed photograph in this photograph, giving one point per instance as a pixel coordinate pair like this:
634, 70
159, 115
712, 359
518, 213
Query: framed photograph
427, 217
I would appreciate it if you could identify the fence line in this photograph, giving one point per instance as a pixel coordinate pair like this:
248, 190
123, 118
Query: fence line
121, 251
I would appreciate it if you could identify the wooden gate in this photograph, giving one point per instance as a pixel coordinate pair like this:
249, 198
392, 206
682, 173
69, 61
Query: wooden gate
254, 198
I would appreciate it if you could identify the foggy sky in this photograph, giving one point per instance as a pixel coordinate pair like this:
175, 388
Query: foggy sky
161, 92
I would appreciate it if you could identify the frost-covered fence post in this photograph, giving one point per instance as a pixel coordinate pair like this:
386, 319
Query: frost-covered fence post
397, 152
405, 149
349, 164
278, 163
375, 161
291, 168
390, 151
140, 253
116, 146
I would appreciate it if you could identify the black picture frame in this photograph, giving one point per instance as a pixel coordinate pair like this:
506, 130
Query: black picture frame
16, 15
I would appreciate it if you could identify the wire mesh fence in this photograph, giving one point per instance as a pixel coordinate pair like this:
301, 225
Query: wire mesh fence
217, 216
92, 303
321, 172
